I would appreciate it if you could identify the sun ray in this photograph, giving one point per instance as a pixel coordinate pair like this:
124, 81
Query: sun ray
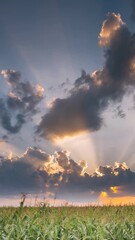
82, 148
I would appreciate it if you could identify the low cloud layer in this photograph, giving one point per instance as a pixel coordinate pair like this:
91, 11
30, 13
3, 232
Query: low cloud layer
20, 103
37, 171
91, 94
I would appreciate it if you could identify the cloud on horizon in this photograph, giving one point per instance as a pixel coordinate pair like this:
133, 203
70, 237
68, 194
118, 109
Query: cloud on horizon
91, 94
37, 171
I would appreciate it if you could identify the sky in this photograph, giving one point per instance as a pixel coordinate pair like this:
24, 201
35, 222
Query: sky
67, 100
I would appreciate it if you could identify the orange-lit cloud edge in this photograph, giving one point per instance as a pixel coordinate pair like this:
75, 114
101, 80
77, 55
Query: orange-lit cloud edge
107, 195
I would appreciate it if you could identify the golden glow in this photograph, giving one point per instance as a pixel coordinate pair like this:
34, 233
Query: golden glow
103, 195
50, 103
10, 155
39, 90
96, 75
116, 173
6, 73
61, 136
105, 35
132, 68
109, 27
60, 178
126, 200
114, 189
98, 173
52, 166
121, 165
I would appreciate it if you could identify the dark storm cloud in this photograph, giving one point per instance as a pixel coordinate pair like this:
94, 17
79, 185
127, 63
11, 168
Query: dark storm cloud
18, 175
74, 177
91, 95
24, 172
35, 156
71, 115
117, 175
37, 170
133, 10
20, 103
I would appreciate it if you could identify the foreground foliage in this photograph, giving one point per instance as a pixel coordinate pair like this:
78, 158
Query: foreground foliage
73, 223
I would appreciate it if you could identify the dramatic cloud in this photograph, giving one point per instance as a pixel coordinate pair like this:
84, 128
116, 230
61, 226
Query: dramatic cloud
133, 10
109, 28
36, 157
91, 95
38, 171
23, 173
20, 103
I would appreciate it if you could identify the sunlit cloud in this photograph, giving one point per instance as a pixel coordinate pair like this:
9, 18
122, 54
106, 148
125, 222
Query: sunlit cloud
68, 122
109, 27
39, 90
37, 171
114, 189
92, 94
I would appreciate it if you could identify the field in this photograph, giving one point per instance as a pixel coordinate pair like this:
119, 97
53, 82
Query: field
75, 223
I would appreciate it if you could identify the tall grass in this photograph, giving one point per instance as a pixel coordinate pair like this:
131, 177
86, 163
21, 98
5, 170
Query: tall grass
74, 223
